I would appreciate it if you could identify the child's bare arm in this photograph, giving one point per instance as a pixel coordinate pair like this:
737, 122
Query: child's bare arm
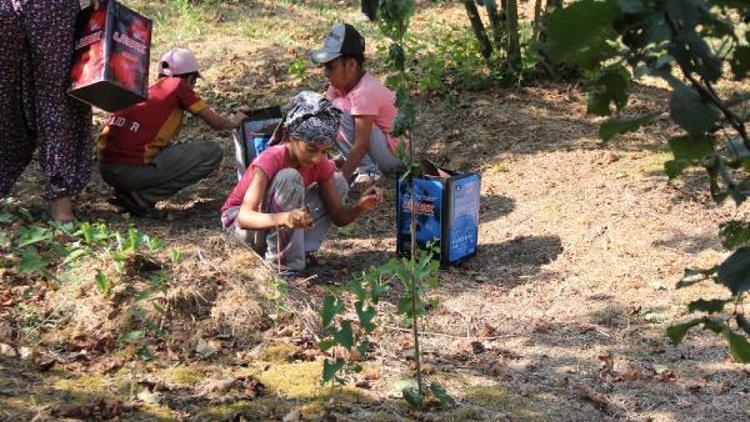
219, 122
362, 130
344, 215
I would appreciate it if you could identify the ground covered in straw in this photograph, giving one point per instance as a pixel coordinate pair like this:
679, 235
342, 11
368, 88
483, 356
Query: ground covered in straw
562, 313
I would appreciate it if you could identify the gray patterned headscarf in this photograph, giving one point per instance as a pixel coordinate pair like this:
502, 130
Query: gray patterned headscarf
311, 118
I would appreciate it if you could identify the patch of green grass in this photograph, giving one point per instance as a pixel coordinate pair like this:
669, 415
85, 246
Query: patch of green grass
278, 353
182, 375
653, 164
293, 380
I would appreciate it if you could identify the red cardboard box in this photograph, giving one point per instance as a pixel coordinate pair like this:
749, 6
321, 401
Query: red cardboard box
110, 65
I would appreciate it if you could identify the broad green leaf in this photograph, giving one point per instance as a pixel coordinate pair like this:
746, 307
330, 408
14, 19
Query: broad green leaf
693, 276
412, 396
741, 62
154, 244
710, 306
175, 254
330, 369
365, 317
325, 345
404, 305
87, 231
734, 272
743, 323
616, 126
132, 336
396, 57
582, 45
442, 395
643, 30
738, 346
676, 332
734, 234
362, 349
691, 148
674, 168
377, 289
102, 282
610, 87
331, 308
713, 324
394, 16
344, 336
6, 218
31, 235
688, 47
633, 6
31, 261
75, 255
355, 286
687, 109
145, 353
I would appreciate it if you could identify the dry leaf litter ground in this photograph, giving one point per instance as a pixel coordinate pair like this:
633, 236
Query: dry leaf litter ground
561, 315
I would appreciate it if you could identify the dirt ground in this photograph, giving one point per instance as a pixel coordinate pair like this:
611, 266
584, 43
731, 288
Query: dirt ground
560, 315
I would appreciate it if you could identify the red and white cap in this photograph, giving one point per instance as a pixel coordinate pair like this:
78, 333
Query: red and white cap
178, 61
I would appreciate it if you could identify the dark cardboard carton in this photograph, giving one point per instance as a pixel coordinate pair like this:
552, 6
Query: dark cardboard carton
253, 135
111, 59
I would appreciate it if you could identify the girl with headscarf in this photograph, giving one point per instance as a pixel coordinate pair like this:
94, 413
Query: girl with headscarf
285, 203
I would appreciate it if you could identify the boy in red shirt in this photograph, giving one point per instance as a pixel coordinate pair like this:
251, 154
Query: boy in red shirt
135, 155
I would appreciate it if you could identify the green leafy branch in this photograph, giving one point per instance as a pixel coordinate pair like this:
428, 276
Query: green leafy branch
689, 44
53, 251
367, 290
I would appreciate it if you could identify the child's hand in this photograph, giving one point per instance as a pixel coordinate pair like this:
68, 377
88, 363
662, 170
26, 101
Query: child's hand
95, 3
299, 219
370, 199
237, 119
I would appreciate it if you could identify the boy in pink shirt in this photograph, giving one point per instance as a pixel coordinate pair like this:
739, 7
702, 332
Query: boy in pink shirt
290, 195
369, 110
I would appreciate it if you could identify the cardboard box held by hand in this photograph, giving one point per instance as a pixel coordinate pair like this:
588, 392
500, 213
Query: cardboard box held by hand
111, 59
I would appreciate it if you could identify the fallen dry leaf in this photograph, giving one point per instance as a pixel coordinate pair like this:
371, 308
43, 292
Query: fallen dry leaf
7, 350
94, 409
216, 386
6, 332
599, 400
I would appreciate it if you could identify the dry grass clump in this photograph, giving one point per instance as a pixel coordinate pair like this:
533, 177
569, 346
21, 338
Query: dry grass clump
80, 307
239, 311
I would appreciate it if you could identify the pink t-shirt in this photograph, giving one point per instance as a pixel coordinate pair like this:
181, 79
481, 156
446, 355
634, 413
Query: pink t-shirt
369, 98
271, 161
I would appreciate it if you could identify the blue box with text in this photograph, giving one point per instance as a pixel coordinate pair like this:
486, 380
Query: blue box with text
446, 208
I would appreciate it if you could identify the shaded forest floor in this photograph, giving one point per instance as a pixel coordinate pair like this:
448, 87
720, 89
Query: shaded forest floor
562, 313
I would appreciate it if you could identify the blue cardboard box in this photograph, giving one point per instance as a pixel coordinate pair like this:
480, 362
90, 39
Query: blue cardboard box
446, 205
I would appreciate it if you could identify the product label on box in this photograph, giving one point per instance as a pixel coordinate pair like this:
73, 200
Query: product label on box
112, 45
129, 56
464, 217
428, 200
88, 60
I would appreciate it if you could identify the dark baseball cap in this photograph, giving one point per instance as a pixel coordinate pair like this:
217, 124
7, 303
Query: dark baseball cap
342, 40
